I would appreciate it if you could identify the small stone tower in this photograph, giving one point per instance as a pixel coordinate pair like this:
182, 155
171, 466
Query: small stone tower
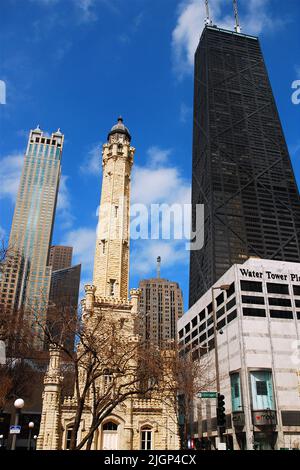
111, 266
49, 436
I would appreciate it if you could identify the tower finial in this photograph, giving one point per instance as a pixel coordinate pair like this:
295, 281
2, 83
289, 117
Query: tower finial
208, 20
236, 17
158, 266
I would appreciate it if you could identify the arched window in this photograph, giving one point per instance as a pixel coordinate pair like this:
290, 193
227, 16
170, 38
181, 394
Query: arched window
110, 426
146, 438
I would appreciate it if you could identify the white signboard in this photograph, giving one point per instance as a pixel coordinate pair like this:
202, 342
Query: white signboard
222, 446
15, 429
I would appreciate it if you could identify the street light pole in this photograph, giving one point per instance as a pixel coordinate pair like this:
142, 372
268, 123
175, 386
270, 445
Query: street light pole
30, 426
224, 287
215, 339
18, 404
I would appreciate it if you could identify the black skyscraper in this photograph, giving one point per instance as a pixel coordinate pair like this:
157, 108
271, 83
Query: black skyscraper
241, 166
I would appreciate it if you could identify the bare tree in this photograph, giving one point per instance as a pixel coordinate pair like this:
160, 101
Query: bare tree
109, 366
16, 336
16, 373
185, 377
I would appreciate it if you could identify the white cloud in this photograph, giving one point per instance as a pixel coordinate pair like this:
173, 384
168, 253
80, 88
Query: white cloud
158, 156
145, 253
255, 17
295, 148
61, 51
158, 183
83, 240
91, 164
185, 113
10, 172
86, 8
64, 206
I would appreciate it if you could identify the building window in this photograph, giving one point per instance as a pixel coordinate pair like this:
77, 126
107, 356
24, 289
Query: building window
112, 287
146, 438
116, 211
262, 390
220, 299
279, 302
230, 291
251, 286
296, 290
236, 396
103, 247
254, 312
252, 299
230, 304
277, 288
68, 438
231, 316
220, 312
286, 314
110, 426
108, 378
202, 315
261, 387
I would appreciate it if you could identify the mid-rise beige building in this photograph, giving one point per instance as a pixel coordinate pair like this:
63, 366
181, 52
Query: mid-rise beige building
136, 423
160, 307
60, 257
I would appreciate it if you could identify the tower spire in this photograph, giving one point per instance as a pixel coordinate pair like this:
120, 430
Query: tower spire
208, 20
158, 266
236, 16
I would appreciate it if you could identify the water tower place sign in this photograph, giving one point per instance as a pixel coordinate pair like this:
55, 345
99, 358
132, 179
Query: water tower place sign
268, 275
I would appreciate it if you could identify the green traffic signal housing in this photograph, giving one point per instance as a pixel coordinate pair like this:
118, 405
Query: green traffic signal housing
221, 416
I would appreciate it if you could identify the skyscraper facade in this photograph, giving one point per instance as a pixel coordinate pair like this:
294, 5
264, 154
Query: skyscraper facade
160, 307
63, 302
242, 171
60, 257
26, 281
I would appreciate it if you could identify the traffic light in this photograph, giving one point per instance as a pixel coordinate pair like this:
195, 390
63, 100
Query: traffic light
221, 416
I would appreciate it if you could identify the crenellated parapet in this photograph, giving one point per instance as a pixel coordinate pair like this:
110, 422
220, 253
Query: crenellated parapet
113, 302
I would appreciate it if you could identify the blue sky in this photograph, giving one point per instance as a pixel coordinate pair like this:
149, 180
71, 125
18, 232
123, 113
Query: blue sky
78, 64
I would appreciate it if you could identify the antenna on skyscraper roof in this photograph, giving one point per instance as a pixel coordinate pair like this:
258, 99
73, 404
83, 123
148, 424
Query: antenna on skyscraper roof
208, 20
158, 266
236, 16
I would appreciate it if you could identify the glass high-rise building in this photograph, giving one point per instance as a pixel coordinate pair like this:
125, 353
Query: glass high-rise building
25, 283
63, 304
242, 171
